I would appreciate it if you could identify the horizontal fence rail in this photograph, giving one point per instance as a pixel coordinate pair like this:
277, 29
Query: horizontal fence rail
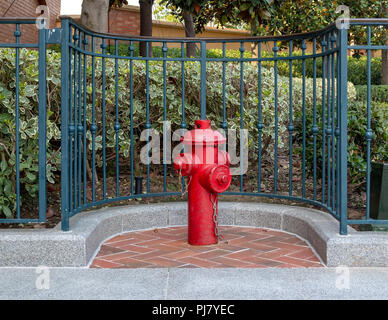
282, 103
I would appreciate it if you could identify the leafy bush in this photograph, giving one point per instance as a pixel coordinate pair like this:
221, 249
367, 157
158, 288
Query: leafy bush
29, 110
28, 132
123, 50
233, 54
357, 151
357, 68
357, 124
357, 73
379, 93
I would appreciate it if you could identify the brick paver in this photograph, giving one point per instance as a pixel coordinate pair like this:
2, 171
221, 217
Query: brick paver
240, 248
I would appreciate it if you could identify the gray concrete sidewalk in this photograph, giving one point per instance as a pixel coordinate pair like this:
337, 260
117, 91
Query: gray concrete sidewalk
235, 284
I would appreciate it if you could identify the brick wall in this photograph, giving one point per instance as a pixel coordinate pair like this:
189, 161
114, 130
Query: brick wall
125, 20
26, 8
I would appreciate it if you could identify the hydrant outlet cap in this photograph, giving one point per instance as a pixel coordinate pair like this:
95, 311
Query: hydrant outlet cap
219, 179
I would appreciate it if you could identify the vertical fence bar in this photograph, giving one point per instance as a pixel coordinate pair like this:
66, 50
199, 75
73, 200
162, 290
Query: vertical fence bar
224, 124
85, 182
183, 122
242, 137
332, 131
71, 124
303, 47
315, 129
343, 34
203, 80
275, 49
148, 124
75, 113
328, 114
79, 126
368, 133
17, 34
323, 44
93, 127
42, 125
117, 121
337, 130
131, 49
290, 121
65, 136
103, 47
259, 123
164, 50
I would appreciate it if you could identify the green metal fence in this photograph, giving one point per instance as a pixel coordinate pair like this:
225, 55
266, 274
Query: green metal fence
109, 94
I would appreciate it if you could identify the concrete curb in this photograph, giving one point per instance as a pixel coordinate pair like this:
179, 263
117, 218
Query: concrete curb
76, 248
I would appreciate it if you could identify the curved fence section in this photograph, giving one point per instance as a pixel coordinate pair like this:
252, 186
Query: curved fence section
130, 100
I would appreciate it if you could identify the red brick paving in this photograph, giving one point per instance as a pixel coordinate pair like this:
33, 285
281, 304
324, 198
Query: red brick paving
241, 247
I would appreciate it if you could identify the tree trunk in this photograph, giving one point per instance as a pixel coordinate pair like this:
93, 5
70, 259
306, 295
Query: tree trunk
94, 14
254, 45
190, 33
146, 25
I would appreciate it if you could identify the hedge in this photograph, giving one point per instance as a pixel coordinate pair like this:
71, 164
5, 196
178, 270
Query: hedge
29, 110
379, 93
357, 68
123, 50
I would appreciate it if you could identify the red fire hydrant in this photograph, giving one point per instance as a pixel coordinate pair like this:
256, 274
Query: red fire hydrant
209, 174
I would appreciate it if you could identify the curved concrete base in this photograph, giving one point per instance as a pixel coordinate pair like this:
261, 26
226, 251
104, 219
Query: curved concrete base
76, 248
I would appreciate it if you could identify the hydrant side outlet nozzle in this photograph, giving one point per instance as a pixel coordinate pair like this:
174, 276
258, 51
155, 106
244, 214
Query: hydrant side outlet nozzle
209, 173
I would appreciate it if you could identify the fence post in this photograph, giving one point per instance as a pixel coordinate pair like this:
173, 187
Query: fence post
42, 125
343, 122
65, 124
203, 80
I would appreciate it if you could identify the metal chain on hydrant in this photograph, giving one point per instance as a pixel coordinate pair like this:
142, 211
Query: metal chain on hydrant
215, 218
186, 188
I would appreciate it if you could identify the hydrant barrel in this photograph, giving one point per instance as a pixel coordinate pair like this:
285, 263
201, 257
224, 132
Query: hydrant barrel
209, 174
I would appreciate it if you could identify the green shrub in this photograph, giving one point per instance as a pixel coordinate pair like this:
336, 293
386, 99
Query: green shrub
123, 50
29, 110
379, 93
357, 151
232, 54
357, 73
357, 68
357, 124
28, 133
